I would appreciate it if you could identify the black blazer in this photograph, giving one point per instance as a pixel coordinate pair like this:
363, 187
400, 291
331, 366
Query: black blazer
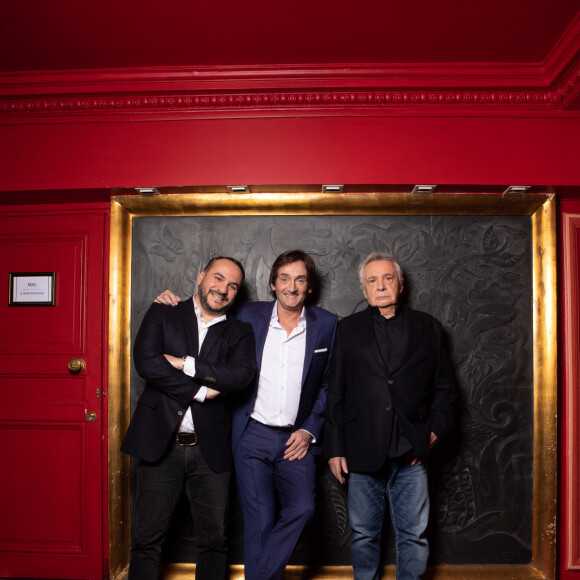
226, 362
421, 388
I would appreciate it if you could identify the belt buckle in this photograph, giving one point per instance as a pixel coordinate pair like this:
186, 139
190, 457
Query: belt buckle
186, 439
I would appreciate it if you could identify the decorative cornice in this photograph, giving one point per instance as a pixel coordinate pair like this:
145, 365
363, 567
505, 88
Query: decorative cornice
296, 100
569, 91
550, 86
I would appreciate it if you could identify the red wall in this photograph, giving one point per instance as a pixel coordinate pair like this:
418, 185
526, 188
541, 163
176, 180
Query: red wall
385, 150
125, 152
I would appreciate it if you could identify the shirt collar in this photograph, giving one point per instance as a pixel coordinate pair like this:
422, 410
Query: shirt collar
375, 311
301, 319
200, 318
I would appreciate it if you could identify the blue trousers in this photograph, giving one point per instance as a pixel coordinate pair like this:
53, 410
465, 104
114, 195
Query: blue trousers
159, 486
266, 479
405, 488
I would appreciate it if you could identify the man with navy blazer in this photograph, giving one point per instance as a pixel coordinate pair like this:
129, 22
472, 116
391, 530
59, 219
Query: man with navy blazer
278, 420
180, 431
390, 400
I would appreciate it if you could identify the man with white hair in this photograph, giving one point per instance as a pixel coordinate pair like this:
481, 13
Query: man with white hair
390, 400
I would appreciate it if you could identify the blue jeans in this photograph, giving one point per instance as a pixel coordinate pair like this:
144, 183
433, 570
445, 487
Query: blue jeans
405, 488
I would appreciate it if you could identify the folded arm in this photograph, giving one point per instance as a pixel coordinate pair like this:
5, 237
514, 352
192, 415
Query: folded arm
230, 371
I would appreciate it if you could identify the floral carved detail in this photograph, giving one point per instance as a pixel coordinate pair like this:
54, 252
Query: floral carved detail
167, 246
474, 274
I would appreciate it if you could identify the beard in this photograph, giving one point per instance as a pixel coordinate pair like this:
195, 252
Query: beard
203, 298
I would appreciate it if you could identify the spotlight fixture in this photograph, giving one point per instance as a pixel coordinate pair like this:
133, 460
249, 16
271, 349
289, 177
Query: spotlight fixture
148, 190
333, 189
517, 189
424, 189
239, 188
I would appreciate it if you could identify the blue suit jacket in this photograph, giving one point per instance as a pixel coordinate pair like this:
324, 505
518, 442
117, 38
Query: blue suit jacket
320, 330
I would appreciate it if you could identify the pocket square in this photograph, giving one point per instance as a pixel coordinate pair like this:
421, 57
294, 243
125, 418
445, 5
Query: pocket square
320, 350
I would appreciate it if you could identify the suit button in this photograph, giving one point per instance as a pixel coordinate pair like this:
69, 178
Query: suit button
180, 413
247, 414
390, 381
388, 408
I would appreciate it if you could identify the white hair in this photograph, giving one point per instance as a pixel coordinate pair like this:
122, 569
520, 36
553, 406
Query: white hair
378, 255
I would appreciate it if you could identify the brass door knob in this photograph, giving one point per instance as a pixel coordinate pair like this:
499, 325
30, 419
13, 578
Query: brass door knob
76, 365
91, 416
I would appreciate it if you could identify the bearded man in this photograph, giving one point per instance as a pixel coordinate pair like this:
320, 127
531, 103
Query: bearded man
189, 356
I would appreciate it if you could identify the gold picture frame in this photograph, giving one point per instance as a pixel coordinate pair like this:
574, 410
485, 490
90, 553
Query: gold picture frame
364, 200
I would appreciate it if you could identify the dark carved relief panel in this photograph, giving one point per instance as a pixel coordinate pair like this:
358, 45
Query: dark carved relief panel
474, 274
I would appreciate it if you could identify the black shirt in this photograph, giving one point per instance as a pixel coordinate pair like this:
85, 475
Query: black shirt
392, 337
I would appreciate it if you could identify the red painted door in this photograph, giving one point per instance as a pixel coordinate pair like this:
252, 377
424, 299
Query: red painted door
51, 507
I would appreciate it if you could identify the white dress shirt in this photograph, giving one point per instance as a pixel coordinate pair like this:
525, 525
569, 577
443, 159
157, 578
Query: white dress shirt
189, 366
280, 381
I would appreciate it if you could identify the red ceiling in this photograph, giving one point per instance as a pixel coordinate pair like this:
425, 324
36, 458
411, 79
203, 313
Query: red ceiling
70, 34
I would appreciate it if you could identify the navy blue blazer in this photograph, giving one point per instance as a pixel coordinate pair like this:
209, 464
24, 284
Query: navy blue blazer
226, 362
421, 388
320, 330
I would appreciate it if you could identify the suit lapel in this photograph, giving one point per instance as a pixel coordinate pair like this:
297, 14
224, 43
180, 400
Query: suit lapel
213, 333
261, 331
414, 334
369, 330
192, 330
191, 327
311, 337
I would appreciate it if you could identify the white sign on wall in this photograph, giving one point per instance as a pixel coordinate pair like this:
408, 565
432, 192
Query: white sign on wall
32, 289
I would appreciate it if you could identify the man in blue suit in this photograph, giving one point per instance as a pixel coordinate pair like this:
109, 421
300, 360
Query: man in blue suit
279, 419
276, 422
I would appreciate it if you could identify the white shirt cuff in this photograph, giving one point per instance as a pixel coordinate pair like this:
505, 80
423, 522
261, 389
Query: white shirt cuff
313, 438
189, 366
200, 396
189, 370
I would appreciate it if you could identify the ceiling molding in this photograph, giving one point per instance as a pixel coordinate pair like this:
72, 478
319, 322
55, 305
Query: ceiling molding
403, 76
553, 85
564, 54
569, 92
451, 76
295, 101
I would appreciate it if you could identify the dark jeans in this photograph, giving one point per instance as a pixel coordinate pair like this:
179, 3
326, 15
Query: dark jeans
159, 486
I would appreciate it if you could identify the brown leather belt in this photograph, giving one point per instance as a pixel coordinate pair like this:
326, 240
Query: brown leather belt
186, 439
